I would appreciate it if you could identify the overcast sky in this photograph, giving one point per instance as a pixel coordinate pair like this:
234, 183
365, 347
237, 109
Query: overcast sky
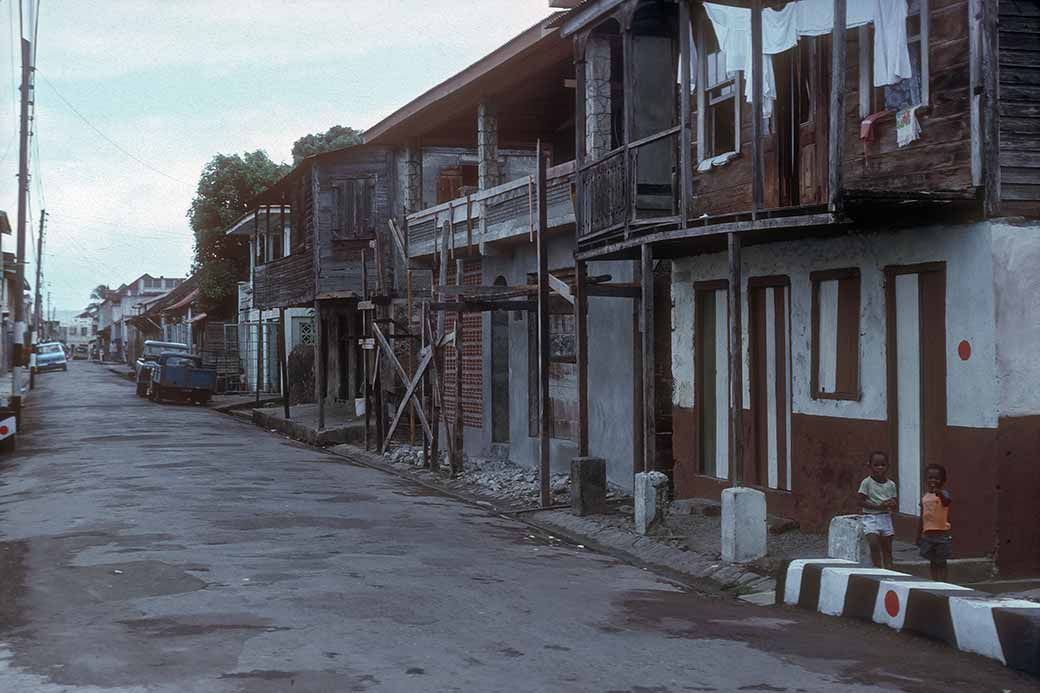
174, 83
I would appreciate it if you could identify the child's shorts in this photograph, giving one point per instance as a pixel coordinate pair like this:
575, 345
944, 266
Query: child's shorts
935, 547
878, 523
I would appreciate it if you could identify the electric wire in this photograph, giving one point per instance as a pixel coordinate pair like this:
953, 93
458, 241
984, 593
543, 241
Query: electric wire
109, 139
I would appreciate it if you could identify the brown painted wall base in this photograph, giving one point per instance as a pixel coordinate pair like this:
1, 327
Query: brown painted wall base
994, 477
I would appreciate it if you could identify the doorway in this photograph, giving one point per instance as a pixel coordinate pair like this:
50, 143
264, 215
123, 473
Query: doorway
769, 310
711, 358
916, 317
500, 373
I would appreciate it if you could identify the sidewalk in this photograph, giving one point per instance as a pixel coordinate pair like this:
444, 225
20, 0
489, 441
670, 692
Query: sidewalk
341, 425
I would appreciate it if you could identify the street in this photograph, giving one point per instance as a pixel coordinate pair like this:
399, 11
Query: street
172, 548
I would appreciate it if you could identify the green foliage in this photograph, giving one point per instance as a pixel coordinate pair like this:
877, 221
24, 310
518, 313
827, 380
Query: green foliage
226, 186
337, 137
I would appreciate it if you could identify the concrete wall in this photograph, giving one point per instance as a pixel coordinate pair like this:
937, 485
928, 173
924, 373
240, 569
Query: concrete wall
611, 373
970, 389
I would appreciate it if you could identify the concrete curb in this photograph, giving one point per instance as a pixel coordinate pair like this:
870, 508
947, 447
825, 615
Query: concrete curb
307, 434
1007, 630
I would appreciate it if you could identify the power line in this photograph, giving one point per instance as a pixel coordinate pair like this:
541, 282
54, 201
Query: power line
109, 139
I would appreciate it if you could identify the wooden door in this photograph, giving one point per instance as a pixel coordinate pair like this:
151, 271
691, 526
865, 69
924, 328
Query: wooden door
711, 360
769, 310
810, 103
916, 317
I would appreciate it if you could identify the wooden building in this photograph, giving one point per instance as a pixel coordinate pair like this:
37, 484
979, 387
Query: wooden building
869, 213
334, 208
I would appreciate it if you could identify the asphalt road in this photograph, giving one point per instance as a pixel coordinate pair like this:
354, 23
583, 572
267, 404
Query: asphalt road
171, 548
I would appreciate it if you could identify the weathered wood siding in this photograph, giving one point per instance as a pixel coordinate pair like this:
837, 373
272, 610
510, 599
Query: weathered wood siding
285, 283
940, 161
1019, 61
339, 261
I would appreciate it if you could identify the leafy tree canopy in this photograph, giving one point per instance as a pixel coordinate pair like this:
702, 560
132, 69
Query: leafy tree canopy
226, 186
336, 137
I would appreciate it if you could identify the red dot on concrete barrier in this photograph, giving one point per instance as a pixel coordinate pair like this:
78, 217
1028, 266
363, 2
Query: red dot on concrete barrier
964, 350
892, 603
3, 430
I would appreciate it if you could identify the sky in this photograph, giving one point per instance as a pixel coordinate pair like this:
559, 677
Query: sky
134, 97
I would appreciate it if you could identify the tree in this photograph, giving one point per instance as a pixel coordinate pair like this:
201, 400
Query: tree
336, 137
227, 184
97, 297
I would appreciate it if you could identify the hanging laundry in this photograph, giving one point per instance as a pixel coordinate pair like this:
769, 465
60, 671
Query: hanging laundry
908, 128
782, 28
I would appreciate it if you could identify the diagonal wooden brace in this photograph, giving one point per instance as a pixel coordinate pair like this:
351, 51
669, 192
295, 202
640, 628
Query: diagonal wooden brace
384, 347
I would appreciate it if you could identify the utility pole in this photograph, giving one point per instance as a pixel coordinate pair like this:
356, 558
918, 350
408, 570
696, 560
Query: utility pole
23, 202
36, 299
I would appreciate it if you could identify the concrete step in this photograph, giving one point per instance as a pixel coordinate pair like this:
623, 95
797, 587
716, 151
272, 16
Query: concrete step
962, 571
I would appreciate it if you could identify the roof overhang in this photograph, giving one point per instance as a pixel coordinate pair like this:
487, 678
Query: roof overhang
509, 65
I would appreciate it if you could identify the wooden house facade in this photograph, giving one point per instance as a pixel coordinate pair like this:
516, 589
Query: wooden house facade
847, 234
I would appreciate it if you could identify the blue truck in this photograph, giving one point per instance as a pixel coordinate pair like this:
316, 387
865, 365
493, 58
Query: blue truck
180, 376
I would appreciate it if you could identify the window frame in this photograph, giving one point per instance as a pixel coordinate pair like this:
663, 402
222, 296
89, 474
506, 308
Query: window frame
871, 98
705, 104
362, 225
853, 274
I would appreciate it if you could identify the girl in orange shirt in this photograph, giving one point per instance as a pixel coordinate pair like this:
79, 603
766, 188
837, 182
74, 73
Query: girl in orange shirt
933, 534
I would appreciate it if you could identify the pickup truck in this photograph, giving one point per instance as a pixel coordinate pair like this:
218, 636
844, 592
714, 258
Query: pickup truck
177, 375
143, 365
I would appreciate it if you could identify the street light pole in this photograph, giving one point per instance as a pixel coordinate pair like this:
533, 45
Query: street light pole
23, 201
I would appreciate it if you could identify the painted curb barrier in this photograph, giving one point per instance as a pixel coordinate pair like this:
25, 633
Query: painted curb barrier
1007, 630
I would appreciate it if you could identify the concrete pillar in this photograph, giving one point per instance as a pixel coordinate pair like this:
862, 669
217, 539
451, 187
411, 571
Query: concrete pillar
845, 539
412, 192
597, 97
651, 496
488, 175
588, 485
743, 525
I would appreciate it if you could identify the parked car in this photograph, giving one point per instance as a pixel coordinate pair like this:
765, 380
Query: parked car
143, 366
48, 356
177, 375
80, 351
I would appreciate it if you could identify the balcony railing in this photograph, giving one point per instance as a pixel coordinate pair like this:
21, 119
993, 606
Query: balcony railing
604, 194
505, 211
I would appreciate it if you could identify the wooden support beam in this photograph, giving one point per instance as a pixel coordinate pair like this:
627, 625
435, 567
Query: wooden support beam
259, 354
685, 136
736, 351
364, 355
460, 430
836, 113
581, 346
543, 334
283, 365
561, 287
420, 372
757, 160
990, 110
319, 363
646, 275
398, 239
385, 348
619, 290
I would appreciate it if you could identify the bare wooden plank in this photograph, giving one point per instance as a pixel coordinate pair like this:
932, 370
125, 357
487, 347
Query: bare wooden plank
736, 353
405, 378
398, 239
543, 334
561, 287
648, 371
836, 121
408, 394
991, 91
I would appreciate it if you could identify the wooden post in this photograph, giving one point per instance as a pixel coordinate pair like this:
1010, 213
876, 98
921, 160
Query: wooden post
646, 274
990, 110
364, 352
411, 355
702, 94
736, 354
581, 345
427, 403
543, 334
259, 354
756, 108
283, 366
685, 139
319, 362
460, 431
836, 114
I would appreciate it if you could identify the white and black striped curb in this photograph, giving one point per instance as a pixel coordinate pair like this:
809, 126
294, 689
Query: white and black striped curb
1007, 630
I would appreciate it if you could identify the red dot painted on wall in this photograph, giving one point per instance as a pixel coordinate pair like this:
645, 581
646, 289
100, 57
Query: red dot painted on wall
964, 350
892, 603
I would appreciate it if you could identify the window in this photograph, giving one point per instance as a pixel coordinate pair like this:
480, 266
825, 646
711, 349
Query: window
835, 334
352, 212
563, 370
274, 246
913, 91
722, 95
83, 332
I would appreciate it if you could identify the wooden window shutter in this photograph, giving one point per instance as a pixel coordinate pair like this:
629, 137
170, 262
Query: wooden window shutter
835, 334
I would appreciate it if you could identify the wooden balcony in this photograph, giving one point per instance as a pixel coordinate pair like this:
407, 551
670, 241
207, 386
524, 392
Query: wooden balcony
505, 212
284, 283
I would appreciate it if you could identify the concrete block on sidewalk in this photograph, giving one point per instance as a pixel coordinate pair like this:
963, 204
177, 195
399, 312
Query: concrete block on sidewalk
588, 485
651, 498
744, 529
845, 539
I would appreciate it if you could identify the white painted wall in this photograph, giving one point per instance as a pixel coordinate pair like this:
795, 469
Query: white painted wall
1016, 261
972, 394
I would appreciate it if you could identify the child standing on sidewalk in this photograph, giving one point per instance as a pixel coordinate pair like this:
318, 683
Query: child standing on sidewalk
933, 533
877, 496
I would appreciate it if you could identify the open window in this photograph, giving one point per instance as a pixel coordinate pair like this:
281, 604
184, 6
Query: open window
908, 92
718, 96
835, 334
